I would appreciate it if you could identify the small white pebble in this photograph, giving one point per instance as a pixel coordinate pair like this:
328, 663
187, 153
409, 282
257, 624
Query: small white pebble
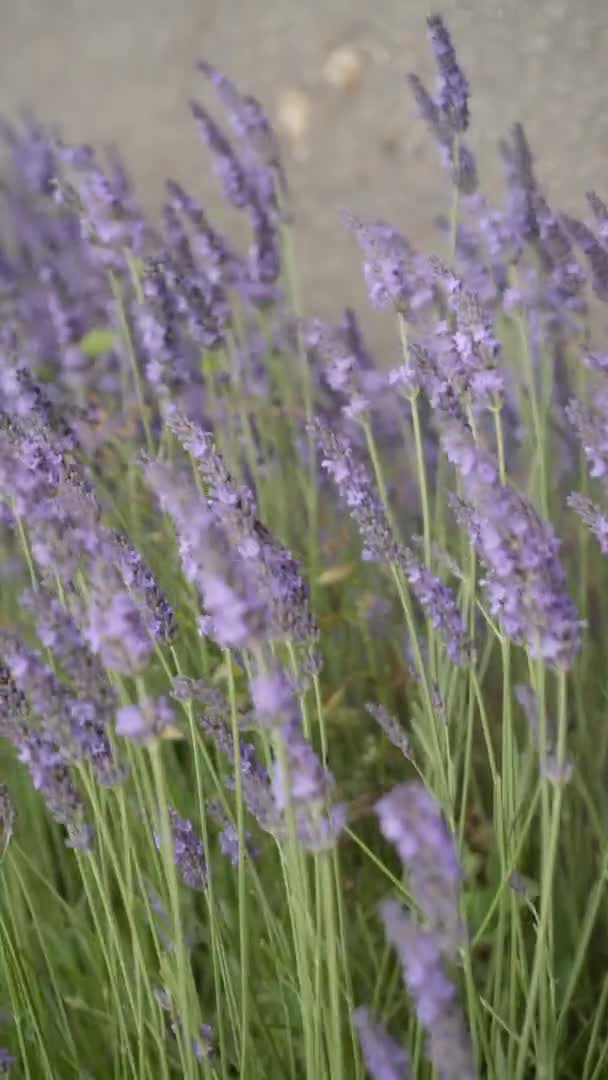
344, 68
294, 113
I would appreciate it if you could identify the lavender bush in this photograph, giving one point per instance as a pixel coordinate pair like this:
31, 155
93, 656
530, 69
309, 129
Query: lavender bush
302, 675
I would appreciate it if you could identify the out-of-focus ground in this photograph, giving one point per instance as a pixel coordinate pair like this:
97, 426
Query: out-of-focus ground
332, 74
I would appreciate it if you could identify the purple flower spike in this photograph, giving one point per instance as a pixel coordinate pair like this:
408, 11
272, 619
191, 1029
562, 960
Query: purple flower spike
434, 995
188, 851
146, 721
396, 276
595, 519
280, 584
600, 212
431, 113
228, 836
597, 254
411, 819
354, 486
215, 724
231, 173
6, 1062
392, 728
525, 581
115, 625
208, 246
45, 760
246, 117
384, 1058
299, 778
453, 89
522, 187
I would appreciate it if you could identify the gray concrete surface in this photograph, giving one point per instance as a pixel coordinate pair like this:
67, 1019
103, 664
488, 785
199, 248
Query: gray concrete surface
122, 71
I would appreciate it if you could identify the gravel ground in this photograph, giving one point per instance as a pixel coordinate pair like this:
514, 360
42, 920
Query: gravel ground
331, 74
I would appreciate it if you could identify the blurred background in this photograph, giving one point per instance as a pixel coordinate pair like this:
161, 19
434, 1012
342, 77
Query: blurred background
331, 74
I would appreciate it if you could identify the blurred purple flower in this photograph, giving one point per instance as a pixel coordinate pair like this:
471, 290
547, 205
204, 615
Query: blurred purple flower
596, 253
247, 119
522, 187
595, 519
45, 761
592, 432
231, 173
391, 728
396, 275
452, 89
354, 486
279, 582
145, 721
411, 819
114, 625
384, 1058
299, 778
7, 1060
90, 700
600, 212
525, 581
434, 995
188, 851
228, 835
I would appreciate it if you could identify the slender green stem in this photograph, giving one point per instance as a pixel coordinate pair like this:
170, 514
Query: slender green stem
543, 934
242, 867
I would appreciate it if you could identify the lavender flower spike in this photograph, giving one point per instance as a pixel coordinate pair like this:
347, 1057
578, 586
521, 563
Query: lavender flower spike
188, 850
391, 727
395, 274
299, 778
593, 517
246, 117
384, 1058
525, 581
354, 486
230, 172
146, 721
453, 89
449, 1045
411, 819
6, 1061
280, 582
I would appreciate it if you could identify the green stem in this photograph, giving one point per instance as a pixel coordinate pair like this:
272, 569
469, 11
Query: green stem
543, 935
242, 866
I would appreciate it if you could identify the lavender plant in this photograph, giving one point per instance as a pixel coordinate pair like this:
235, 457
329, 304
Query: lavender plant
212, 862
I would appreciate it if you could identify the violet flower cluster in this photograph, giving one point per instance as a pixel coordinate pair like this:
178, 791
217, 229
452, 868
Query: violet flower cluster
447, 113
429, 940
188, 851
590, 424
354, 486
384, 1058
433, 992
45, 759
525, 582
285, 593
146, 721
410, 818
123, 613
302, 785
214, 723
